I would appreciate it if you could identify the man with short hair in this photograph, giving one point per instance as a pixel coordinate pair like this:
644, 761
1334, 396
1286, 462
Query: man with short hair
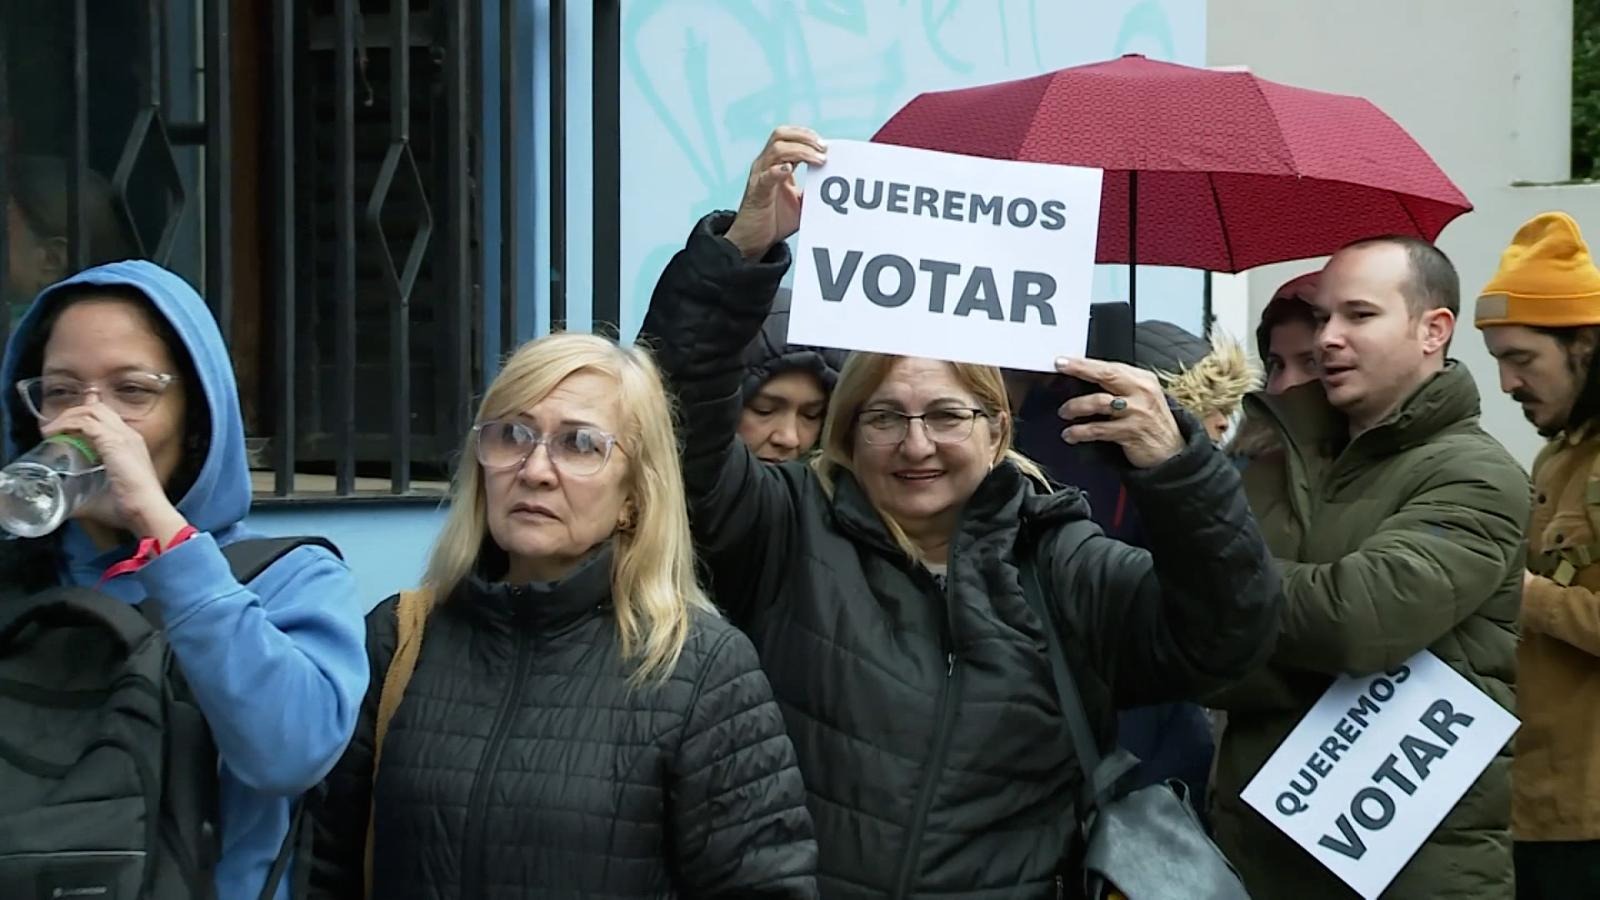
1286, 338
1398, 523
1540, 316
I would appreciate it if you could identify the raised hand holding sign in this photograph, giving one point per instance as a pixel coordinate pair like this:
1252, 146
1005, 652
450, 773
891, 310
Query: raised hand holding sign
1130, 411
770, 209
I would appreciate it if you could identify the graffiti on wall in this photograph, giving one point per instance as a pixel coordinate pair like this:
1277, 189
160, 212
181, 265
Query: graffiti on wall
705, 81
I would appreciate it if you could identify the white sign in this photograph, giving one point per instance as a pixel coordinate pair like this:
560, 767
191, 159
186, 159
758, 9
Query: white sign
1376, 764
918, 253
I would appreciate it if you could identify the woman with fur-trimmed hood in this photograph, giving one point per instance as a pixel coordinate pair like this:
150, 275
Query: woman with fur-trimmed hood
1208, 379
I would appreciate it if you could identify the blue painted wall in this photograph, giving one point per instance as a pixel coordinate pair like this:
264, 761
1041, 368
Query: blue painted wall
703, 83
386, 545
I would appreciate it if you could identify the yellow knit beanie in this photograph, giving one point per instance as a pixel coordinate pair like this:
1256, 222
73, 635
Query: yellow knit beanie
1546, 278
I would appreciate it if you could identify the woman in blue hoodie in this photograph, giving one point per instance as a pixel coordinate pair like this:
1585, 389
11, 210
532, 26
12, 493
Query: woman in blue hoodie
132, 361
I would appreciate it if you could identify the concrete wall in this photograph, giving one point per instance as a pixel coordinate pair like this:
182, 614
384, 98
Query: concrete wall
1485, 87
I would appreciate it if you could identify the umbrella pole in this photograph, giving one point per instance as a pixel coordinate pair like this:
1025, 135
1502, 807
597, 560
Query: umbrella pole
1133, 256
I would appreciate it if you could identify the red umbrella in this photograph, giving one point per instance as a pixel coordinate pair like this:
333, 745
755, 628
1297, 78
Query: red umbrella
1207, 169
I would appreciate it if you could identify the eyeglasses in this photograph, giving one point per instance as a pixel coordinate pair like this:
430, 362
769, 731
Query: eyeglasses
953, 425
131, 395
574, 451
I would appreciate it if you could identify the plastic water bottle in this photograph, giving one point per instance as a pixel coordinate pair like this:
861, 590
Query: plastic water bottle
41, 488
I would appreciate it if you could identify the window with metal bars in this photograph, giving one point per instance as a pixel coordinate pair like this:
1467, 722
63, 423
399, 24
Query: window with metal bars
309, 167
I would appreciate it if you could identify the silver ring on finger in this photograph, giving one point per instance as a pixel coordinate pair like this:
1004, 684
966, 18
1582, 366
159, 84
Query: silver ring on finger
1119, 404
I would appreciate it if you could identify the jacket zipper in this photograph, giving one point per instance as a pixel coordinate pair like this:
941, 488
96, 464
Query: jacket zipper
941, 745
474, 853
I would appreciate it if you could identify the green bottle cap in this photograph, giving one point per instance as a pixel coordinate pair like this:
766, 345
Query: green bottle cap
83, 446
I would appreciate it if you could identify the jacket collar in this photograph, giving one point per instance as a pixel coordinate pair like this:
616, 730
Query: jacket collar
980, 586
1004, 501
543, 607
1313, 427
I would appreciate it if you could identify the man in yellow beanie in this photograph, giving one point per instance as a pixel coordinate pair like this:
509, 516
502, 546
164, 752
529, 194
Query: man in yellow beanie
1540, 316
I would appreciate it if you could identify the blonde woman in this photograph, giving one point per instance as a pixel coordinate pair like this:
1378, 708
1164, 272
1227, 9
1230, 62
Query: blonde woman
580, 721
881, 583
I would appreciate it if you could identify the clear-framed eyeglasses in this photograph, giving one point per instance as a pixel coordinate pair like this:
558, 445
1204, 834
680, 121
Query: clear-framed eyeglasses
580, 450
131, 395
950, 425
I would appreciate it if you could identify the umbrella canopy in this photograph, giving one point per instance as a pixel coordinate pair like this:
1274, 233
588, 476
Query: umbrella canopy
1211, 169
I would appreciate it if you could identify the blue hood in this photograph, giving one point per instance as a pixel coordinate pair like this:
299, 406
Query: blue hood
220, 495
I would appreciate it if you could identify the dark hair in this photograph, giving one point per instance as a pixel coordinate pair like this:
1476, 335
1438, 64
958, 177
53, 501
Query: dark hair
1433, 282
197, 413
1586, 406
39, 188
1281, 311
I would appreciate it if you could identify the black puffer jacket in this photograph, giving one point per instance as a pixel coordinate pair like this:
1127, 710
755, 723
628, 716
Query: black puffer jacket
523, 764
925, 719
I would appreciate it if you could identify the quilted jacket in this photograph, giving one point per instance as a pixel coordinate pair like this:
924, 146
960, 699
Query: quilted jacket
522, 762
924, 715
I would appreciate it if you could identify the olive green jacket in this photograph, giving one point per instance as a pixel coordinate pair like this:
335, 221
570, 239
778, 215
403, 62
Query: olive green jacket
1408, 537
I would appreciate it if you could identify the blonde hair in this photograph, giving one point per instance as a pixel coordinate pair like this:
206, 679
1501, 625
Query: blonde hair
653, 586
861, 376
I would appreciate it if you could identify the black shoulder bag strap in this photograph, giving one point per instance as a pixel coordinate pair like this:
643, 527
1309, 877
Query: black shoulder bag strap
296, 846
1098, 781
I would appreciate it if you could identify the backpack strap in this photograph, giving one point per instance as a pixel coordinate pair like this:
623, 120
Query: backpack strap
1576, 558
1591, 493
250, 557
411, 617
296, 845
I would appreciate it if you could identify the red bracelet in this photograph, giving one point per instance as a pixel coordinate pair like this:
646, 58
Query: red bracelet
184, 533
147, 551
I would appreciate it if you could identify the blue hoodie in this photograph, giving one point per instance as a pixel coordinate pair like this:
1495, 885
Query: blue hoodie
278, 667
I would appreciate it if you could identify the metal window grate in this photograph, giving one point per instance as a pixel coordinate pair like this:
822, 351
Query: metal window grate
385, 354
318, 166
